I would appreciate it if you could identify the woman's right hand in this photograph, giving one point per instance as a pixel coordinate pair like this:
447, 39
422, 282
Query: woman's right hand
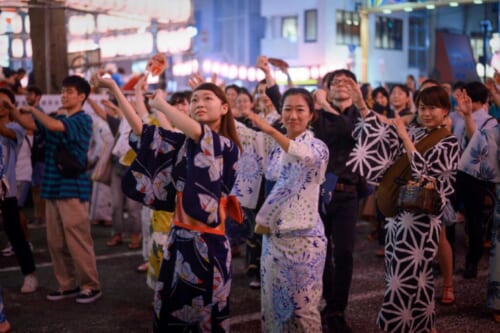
464, 103
98, 80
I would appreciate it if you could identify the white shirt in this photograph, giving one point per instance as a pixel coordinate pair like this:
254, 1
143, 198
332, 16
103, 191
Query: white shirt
24, 170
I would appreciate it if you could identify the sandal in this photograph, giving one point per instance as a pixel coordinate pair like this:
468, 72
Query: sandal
5, 327
143, 268
114, 241
448, 296
496, 316
135, 241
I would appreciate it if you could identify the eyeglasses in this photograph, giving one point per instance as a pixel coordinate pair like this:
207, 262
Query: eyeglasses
338, 82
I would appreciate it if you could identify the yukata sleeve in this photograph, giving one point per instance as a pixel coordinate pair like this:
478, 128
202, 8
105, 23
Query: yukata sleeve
480, 158
274, 95
210, 174
149, 179
309, 153
377, 146
250, 167
439, 162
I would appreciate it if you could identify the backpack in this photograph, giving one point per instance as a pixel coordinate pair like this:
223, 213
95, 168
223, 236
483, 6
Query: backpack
38, 148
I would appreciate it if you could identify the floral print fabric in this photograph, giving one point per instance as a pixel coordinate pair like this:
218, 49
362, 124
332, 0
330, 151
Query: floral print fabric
411, 238
195, 277
481, 160
293, 255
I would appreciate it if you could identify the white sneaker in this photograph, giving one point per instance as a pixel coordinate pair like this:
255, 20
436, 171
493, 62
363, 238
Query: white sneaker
30, 284
8, 251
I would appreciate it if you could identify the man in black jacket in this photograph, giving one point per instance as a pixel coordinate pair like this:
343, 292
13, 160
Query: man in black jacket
334, 126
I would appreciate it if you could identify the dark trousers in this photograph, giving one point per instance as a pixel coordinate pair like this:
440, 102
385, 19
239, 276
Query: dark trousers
15, 234
478, 201
340, 229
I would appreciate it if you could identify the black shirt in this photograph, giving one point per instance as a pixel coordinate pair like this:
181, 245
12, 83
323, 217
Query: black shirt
336, 132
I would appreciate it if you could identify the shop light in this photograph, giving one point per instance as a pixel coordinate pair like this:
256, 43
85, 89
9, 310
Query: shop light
408, 9
387, 11
453, 4
477, 2
430, 7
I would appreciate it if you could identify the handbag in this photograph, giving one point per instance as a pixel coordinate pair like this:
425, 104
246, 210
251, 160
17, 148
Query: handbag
420, 197
399, 174
67, 164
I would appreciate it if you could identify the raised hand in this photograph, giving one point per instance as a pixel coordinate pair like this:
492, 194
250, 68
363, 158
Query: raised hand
98, 80
157, 100
355, 93
195, 80
464, 103
263, 64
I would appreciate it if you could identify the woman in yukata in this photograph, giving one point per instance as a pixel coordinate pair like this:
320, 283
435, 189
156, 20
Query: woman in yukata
481, 160
411, 238
294, 243
190, 172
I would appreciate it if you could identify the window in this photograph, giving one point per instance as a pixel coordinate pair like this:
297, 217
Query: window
389, 33
289, 27
417, 44
348, 28
311, 26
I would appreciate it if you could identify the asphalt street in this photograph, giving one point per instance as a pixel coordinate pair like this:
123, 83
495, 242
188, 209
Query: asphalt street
126, 302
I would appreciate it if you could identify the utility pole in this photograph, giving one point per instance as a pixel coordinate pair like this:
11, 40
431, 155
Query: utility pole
48, 40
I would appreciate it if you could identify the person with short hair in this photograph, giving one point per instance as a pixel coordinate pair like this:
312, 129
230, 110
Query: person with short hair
11, 139
68, 229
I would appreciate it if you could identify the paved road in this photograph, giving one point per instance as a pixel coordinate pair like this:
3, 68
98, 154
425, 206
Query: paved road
126, 303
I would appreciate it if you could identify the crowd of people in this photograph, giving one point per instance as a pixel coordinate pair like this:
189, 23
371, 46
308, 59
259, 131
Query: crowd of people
194, 177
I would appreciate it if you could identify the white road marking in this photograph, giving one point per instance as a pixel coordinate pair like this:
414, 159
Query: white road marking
98, 258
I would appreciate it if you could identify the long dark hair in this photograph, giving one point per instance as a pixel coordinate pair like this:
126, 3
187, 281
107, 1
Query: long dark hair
227, 127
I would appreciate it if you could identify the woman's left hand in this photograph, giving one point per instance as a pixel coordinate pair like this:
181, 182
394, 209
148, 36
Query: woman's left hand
157, 100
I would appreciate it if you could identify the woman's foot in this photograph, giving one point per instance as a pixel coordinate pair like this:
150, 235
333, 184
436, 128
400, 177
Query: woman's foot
114, 241
143, 268
5, 327
448, 296
496, 316
380, 252
135, 241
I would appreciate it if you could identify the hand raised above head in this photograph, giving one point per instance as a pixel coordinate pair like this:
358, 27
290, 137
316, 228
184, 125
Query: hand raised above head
195, 80
98, 80
157, 99
263, 63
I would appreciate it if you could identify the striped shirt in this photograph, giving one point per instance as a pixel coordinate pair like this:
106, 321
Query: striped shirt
76, 137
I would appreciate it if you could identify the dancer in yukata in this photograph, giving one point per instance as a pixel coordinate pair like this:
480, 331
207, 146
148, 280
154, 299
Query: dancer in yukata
190, 172
294, 243
427, 150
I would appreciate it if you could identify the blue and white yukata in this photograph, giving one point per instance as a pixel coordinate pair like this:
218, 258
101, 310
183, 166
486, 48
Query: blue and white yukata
481, 160
192, 292
293, 254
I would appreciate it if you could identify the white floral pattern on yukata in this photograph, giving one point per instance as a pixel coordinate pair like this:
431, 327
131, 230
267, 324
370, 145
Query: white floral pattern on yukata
195, 275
